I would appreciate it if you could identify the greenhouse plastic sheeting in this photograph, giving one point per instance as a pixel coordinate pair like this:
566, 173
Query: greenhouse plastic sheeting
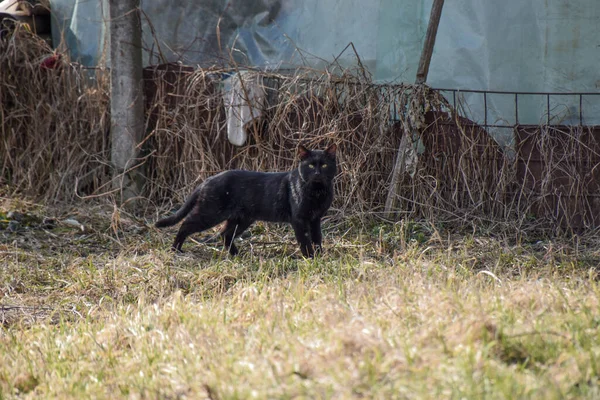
538, 46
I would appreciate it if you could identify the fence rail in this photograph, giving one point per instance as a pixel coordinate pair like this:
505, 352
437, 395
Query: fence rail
547, 95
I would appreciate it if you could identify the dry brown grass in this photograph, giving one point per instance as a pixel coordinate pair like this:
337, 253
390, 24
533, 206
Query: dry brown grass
55, 143
188, 134
53, 122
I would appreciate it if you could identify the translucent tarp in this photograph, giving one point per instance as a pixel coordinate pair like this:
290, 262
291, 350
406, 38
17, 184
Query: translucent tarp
512, 45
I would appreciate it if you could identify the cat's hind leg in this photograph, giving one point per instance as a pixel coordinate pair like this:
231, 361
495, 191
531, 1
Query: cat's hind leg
232, 229
195, 222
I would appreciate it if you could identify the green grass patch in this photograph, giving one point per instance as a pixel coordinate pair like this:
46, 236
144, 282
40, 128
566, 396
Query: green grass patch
402, 310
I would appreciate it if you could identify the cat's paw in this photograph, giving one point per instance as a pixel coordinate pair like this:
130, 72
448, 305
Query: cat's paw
233, 251
318, 250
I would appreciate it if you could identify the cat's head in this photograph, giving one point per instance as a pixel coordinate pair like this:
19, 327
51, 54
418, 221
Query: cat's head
317, 166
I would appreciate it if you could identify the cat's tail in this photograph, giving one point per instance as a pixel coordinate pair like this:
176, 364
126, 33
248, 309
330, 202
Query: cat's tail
180, 214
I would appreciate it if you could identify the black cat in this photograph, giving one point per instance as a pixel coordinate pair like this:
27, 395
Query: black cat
300, 197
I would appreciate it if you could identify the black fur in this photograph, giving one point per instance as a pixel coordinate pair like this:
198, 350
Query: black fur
300, 197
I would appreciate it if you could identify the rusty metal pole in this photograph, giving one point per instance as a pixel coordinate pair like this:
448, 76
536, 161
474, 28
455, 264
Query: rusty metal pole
422, 71
126, 96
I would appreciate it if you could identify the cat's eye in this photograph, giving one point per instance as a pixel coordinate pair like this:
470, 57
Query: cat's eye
311, 166
324, 166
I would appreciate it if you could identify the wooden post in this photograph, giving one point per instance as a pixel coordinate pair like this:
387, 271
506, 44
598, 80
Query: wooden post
397, 173
422, 71
126, 96
432, 27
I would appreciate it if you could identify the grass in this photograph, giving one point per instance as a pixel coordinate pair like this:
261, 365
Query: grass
390, 311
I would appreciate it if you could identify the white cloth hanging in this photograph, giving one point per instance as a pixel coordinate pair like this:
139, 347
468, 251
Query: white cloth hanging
243, 96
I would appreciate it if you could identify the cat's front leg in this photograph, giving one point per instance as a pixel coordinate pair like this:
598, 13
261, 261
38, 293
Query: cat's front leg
301, 229
316, 236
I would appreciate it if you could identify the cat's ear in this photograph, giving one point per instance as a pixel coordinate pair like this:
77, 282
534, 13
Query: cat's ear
303, 152
331, 150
